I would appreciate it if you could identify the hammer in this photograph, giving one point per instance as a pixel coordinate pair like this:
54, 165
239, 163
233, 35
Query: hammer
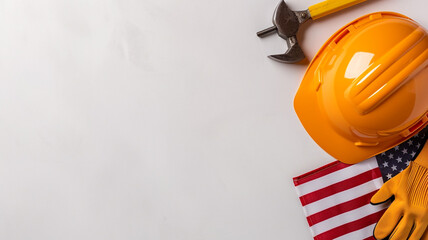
287, 22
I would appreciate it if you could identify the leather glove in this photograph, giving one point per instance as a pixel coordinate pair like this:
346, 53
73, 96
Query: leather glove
407, 216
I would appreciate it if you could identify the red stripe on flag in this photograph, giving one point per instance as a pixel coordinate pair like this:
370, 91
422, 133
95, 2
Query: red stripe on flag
339, 209
369, 238
350, 227
340, 186
319, 172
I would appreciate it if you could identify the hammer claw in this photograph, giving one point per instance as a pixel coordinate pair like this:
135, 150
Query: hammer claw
294, 54
285, 58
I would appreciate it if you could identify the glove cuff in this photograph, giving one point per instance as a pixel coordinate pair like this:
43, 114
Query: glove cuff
417, 185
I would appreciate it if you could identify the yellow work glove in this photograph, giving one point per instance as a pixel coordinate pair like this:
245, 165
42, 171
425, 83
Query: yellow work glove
407, 216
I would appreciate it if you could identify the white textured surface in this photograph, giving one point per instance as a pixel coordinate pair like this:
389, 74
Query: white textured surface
154, 120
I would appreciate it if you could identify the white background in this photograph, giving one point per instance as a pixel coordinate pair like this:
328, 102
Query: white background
154, 120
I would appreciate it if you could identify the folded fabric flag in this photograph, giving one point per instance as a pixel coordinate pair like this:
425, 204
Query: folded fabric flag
336, 197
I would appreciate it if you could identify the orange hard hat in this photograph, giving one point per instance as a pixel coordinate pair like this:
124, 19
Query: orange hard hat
366, 90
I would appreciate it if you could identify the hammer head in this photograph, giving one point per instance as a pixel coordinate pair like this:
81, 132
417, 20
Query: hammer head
286, 23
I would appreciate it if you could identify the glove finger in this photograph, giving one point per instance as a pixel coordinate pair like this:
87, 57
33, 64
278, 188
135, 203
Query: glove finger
381, 196
386, 191
418, 232
425, 236
403, 229
387, 222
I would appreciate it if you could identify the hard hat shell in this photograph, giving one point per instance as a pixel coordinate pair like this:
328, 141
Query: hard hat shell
366, 90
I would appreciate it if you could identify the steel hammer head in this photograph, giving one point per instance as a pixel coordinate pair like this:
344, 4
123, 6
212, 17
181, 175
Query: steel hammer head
286, 23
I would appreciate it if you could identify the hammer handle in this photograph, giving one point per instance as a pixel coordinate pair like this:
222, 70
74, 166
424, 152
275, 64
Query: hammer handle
330, 6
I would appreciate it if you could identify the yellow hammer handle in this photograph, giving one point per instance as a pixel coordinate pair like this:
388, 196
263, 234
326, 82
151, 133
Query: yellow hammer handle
330, 6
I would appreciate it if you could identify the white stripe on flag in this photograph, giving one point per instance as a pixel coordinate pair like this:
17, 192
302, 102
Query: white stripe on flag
337, 176
343, 196
346, 217
363, 233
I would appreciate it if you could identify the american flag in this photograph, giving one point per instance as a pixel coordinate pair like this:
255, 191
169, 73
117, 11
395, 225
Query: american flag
336, 197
